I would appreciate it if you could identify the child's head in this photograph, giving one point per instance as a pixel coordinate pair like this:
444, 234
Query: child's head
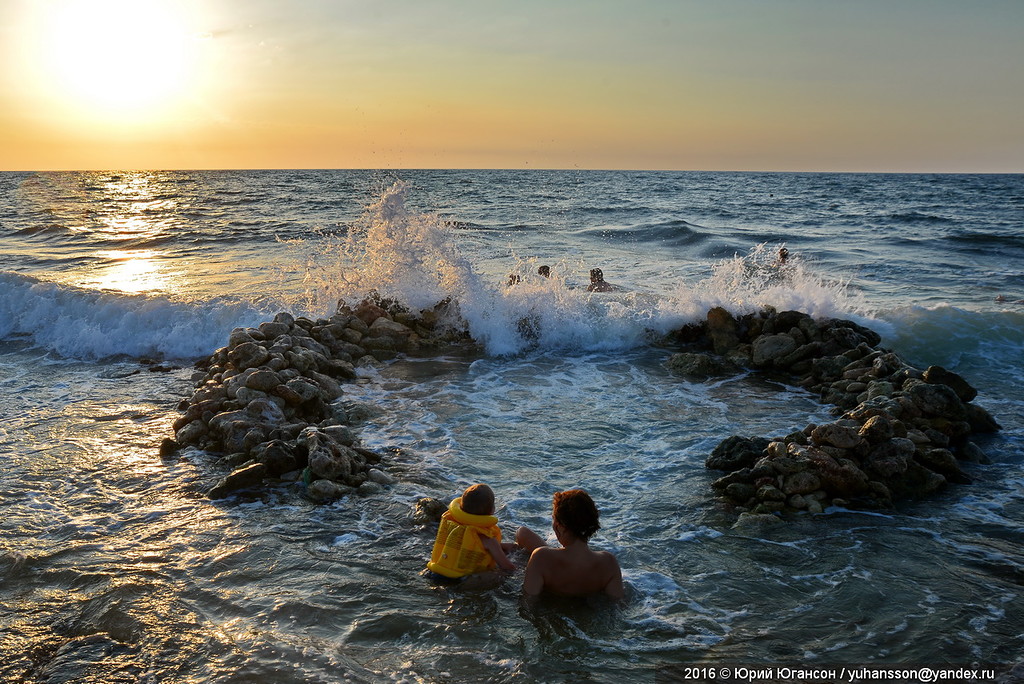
575, 511
478, 500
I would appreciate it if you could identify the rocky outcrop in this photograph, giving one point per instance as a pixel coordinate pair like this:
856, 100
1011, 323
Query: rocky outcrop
271, 402
901, 433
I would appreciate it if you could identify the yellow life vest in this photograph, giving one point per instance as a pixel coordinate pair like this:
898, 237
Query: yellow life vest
458, 550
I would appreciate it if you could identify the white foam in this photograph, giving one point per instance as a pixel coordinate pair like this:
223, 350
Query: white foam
89, 324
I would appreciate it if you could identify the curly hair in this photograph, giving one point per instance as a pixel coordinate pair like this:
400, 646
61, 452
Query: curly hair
575, 511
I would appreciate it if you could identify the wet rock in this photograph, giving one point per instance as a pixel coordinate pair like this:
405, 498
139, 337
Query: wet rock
755, 523
937, 375
428, 511
248, 355
243, 478
263, 380
841, 436
736, 452
723, 330
380, 477
767, 348
699, 365
325, 491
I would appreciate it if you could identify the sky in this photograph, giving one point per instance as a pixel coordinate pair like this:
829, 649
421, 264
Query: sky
773, 85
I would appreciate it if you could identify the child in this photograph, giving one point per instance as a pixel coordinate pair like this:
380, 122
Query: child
468, 539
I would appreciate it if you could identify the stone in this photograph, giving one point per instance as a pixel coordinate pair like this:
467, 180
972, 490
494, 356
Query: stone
370, 488
380, 477
755, 523
980, 420
767, 348
877, 429
248, 355
428, 511
191, 433
723, 330
277, 455
272, 329
698, 365
736, 452
801, 483
770, 493
263, 380
243, 478
303, 389
325, 491
943, 462
936, 400
941, 376
841, 436
740, 492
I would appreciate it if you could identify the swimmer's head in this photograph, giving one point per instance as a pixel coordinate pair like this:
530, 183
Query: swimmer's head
783, 254
575, 511
478, 500
544, 271
596, 275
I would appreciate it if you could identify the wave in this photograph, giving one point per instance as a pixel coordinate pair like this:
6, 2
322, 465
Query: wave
416, 259
987, 341
675, 232
89, 324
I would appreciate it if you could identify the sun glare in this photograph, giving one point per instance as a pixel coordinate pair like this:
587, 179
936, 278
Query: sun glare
119, 61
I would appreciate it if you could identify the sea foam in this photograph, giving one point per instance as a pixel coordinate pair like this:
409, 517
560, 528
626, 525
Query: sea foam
91, 324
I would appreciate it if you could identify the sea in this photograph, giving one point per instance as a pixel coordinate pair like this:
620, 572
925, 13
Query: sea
116, 567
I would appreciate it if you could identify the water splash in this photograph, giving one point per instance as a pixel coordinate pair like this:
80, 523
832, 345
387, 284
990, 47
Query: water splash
748, 283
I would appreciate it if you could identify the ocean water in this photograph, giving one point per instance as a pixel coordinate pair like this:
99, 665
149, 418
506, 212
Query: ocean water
115, 567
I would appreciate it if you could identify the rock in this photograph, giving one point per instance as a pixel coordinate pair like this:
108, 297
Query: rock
943, 461
248, 355
303, 389
800, 483
723, 330
369, 488
698, 365
768, 348
980, 420
272, 329
736, 452
325, 491
740, 492
877, 429
380, 477
937, 375
428, 511
277, 455
191, 433
243, 478
972, 453
263, 380
936, 400
168, 447
389, 328
841, 436
770, 493
755, 523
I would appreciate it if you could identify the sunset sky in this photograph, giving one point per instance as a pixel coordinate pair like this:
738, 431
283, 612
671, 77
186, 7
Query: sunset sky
812, 85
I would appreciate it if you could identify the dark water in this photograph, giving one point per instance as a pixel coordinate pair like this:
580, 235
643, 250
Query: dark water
114, 567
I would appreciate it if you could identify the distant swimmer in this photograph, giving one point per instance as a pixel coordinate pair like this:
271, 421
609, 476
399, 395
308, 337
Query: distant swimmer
598, 283
514, 279
783, 257
544, 271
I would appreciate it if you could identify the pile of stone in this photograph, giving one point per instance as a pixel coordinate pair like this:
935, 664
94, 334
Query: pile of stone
902, 433
271, 401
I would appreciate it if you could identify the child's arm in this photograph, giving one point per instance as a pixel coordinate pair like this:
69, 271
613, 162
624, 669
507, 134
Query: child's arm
493, 547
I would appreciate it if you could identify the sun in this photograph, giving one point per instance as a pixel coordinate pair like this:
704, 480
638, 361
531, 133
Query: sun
116, 60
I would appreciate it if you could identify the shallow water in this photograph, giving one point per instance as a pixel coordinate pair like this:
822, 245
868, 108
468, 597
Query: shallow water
115, 567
